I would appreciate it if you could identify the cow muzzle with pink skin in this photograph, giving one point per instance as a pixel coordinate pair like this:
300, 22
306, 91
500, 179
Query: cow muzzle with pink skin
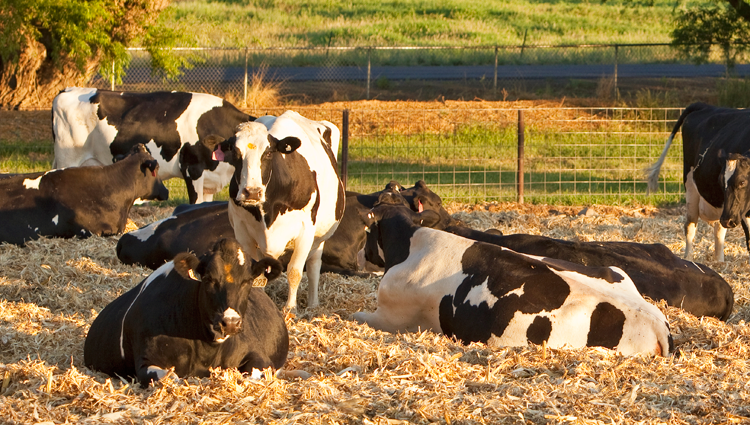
250, 195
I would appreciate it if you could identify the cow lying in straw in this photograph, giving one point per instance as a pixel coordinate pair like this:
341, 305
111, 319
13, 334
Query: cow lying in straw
480, 292
192, 315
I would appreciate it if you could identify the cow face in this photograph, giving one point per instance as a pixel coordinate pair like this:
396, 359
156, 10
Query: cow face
252, 151
197, 158
226, 275
734, 178
150, 185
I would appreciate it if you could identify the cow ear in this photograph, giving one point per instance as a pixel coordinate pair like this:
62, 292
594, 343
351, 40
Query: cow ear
285, 145
211, 141
394, 186
269, 267
185, 264
427, 218
369, 217
151, 165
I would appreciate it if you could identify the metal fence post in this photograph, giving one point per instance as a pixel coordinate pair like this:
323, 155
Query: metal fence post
617, 93
113, 75
368, 72
344, 146
521, 141
245, 101
494, 86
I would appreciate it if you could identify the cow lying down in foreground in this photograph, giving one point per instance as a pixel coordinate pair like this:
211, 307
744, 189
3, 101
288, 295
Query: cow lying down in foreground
80, 201
192, 315
656, 272
480, 292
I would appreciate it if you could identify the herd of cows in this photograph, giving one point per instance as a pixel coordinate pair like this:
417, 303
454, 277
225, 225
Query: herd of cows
204, 305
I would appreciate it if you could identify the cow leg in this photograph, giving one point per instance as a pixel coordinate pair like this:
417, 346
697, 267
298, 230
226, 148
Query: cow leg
313, 263
692, 199
719, 233
302, 246
746, 229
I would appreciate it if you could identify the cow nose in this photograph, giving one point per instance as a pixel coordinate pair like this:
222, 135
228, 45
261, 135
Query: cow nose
231, 322
251, 194
231, 325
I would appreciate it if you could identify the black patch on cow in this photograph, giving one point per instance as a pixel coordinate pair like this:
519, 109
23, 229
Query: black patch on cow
604, 273
289, 186
607, 324
537, 289
141, 117
539, 330
222, 121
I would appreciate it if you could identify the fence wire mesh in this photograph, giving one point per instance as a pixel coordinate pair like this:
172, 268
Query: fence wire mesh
316, 75
571, 155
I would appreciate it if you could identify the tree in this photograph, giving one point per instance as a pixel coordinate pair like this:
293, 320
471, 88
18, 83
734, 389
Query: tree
725, 24
48, 45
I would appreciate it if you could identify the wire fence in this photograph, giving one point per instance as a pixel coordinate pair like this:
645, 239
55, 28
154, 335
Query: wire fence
316, 74
569, 155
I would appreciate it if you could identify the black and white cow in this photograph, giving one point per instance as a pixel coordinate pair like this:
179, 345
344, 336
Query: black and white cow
93, 127
192, 315
711, 173
479, 292
656, 272
77, 201
286, 190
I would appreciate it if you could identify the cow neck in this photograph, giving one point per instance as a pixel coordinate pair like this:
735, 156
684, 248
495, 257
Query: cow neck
394, 238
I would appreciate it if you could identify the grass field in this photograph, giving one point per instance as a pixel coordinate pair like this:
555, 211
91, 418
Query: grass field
421, 22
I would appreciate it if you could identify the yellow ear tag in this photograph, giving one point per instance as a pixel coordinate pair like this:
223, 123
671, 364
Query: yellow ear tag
192, 274
250, 146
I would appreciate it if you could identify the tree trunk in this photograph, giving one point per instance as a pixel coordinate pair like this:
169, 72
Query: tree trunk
34, 80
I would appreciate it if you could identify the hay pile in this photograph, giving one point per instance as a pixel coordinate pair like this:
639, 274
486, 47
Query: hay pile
51, 290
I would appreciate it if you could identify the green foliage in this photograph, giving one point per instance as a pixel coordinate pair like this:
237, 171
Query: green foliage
697, 29
420, 22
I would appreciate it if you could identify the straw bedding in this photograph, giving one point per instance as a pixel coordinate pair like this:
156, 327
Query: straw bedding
51, 290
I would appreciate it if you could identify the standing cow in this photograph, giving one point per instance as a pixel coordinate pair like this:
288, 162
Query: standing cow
93, 127
713, 170
79, 201
480, 292
192, 315
286, 189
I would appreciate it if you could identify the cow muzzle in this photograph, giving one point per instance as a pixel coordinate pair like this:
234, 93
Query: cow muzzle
230, 324
250, 195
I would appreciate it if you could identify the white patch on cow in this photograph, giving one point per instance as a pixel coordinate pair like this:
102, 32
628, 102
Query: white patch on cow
231, 313
200, 103
518, 291
144, 233
55, 219
256, 374
480, 294
161, 271
240, 257
159, 372
32, 184
139, 201
729, 170
192, 275
222, 339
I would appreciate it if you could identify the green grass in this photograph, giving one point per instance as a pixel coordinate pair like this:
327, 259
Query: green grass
602, 163
421, 22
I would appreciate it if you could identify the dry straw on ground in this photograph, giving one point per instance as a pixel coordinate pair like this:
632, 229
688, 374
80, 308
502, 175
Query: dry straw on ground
51, 290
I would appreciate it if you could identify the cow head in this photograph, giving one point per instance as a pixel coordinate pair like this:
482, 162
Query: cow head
226, 275
422, 198
391, 207
252, 152
148, 184
734, 178
195, 159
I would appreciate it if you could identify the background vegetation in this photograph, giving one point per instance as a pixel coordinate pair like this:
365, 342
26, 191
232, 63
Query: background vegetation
423, 22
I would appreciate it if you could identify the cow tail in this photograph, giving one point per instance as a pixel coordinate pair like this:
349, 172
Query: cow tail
653, 171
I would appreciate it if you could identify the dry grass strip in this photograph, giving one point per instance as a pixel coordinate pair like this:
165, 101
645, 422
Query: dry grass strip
51, 290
